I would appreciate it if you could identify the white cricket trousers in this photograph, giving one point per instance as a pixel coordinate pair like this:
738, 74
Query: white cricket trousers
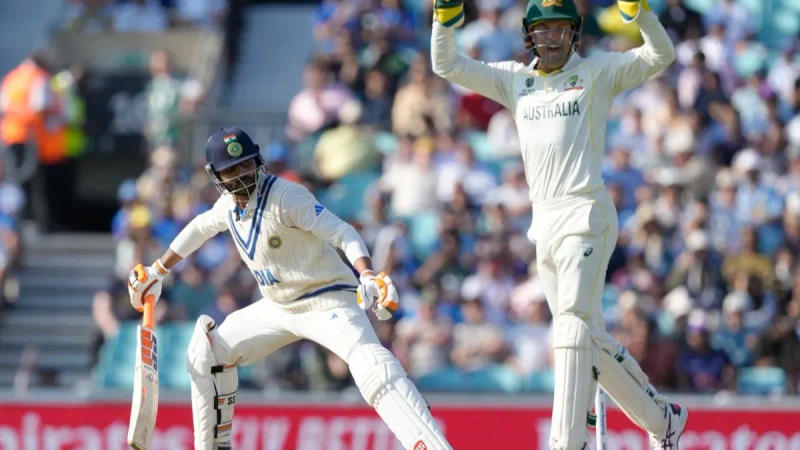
252, 333
574, 241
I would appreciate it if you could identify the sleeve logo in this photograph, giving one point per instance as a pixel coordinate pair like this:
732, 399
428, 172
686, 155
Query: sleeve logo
318, 209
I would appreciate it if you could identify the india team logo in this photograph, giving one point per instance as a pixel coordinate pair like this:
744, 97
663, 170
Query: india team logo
234, 147
274, 242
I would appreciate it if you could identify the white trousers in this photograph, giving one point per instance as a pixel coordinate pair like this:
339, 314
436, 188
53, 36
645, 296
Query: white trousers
574, 241
252, 333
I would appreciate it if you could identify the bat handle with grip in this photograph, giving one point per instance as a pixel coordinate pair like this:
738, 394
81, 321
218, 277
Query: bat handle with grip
147, 317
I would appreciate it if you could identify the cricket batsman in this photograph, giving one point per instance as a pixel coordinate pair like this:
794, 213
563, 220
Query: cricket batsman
560, 102
290, 243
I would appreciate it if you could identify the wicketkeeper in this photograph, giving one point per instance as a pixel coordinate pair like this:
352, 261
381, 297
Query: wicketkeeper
560, 102
289, 242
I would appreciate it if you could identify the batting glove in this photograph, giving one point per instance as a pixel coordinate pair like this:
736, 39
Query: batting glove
145, 283
377, 293
449, 13
629, 9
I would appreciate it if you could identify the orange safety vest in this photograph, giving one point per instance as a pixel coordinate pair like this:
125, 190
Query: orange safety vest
19, 123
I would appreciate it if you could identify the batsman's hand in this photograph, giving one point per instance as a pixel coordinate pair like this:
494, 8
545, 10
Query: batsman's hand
449, 13
146, 282
377, 292
629, 9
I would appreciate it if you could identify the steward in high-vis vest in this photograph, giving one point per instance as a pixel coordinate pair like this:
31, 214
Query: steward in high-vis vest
31, 112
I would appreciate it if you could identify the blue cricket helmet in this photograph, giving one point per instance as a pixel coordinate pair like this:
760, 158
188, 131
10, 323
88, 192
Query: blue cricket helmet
228, 147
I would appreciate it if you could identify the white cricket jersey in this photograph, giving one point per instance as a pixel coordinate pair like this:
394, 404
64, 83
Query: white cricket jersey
286, 238
561, 116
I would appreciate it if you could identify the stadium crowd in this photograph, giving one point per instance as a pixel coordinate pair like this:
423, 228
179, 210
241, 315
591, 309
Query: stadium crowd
703, 164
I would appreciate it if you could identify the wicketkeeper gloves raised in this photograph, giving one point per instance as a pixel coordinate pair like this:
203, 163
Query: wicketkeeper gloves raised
378, 293
629, 9
145, 282
449, 13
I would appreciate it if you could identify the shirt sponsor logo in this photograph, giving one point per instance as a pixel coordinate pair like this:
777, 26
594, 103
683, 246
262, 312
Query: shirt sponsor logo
529, 87
551, 111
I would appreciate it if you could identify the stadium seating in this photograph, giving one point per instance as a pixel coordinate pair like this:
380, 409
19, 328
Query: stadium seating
345, 197
762, 380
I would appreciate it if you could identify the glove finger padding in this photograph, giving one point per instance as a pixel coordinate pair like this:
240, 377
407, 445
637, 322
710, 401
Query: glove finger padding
388, 303
368, 292
629, 9
145, 283
449, 12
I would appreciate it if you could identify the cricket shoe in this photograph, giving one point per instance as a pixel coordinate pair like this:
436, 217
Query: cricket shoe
676, 416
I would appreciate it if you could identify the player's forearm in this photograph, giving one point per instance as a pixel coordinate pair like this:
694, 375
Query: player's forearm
474, 75
169, 259
348, 239
657, 50
191, 237
363, 264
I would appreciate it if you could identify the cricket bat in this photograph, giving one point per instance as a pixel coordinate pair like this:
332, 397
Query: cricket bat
144, 405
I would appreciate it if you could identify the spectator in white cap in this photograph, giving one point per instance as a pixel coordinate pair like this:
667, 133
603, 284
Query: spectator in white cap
757, 203
733, 337
698, 268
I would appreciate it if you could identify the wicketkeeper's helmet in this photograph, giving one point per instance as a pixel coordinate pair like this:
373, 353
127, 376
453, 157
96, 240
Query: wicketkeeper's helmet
541, 10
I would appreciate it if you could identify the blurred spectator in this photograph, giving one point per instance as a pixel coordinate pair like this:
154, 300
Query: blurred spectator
126, 196
192, 295
410, 178
733, 337
748, 261
476, 342
377, 100
698, 268
139, 16
33, 115
757, 202
317, 105
422, 341
139, 245
163, 100
346, 148
200, 13
623, 174
88, 16
679, 20
700, 367
657, 356
492, 286
69, 85
780, 346
462, 168
764, 303
486, 37
418, 108
530, 338
502, 135
725, 226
